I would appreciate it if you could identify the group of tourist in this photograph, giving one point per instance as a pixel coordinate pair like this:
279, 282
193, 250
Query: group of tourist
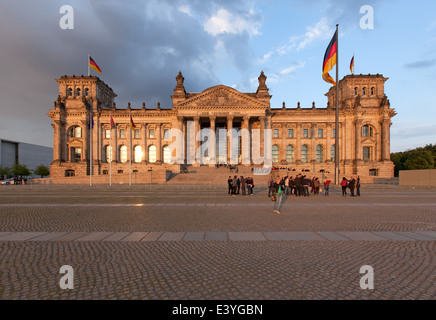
352, 184
300, 186
240, 185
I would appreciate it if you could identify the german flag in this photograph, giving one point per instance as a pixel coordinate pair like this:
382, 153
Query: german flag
94, 66
112, 123
330, 59
132, 125
352, 65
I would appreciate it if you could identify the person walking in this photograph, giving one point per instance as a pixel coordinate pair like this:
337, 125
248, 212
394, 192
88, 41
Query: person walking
326, 186
358, 186
344, 184
278, 194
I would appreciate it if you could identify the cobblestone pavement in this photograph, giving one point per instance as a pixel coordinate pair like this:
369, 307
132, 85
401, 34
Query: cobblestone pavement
169, 243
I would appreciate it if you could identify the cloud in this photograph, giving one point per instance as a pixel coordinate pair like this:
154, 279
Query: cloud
415, 131
226, 22
421, 64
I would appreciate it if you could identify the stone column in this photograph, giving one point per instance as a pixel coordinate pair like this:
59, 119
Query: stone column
57, 140
212, 145
314, 135
386, 140
298, 147
358, 146
229, 138
268, 151
262, 136
159, 143
180, 141
328, 145
85, 135
144, 142
246, 141
283, 144
196, 143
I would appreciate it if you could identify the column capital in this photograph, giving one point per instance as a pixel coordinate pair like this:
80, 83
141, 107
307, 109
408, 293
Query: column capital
230, 117
180, 118
196, 118
212, 117
246, 117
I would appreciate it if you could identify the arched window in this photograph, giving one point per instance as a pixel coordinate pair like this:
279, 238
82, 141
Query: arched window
86, 92
78, 91
290, 154
364, 91
372, 91
152, 154
333, 153
166, 154
108, 152
355, 91
138, 154
76, 132
367, 131
70, 92
275, 153
123, 154
305, 154
319, 153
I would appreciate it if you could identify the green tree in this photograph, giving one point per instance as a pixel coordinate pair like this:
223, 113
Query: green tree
419, 159
21, 170
42, 171
4, 172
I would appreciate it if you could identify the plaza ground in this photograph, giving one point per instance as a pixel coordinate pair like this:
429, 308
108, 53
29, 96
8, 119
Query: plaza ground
196, 242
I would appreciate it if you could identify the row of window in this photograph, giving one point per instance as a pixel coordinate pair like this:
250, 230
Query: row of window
304, 157
78, 92
367, 131
76, 132
364, 91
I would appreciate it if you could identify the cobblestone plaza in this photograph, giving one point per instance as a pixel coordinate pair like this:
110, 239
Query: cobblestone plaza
196, 242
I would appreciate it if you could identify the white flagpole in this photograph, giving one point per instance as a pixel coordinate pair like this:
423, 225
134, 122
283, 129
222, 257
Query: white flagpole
130, 149
89, 71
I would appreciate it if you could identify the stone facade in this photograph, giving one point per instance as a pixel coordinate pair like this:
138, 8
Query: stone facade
301, 139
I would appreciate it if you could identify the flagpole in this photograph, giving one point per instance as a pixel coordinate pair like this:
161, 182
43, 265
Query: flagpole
90, 151
111, 154
130, 149
337, 110
89, 72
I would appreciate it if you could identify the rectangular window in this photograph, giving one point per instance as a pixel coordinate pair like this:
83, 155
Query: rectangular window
122, 133
290, 133
107, 133
305, 133
320, 133
77, 132
334, 133
151, 133
276, 133
166, 134
136, 134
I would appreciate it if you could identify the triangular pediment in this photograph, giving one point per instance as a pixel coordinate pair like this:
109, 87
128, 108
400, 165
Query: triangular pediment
221, 96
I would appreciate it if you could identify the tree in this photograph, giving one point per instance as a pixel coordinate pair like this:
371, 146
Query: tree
21, 170
419, 159
4, 172
42, 171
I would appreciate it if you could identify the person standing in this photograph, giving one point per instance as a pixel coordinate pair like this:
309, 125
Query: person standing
229, 182
238, 185
344, 184
298, 184
316, 185
306, 183
351, 185
278, 194
270, 187
243, 185
358, 186
326, 186
234, 185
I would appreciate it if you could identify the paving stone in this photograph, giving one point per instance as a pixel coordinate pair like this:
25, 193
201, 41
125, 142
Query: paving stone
4, 233
135, 236
332, 236
431, 234
172, 236
71, 236
361, 236
246, 236
216, 236
152, 236
392, 236
94, 236
194, 236
415, 235
51, 236
116, 236
287, 236
21, 236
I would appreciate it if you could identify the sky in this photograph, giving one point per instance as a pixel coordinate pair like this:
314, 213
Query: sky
141, 45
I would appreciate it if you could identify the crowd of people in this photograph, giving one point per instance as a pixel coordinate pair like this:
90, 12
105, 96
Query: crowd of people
240, 185
299, 186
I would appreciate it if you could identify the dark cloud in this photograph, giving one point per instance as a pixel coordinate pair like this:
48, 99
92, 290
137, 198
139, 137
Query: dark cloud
421, 64
140, 46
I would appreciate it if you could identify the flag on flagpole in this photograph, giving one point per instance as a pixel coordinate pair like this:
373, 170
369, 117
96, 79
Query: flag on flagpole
94, 65
330, 59
112, 123
132, 125
91, 122
352, 65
